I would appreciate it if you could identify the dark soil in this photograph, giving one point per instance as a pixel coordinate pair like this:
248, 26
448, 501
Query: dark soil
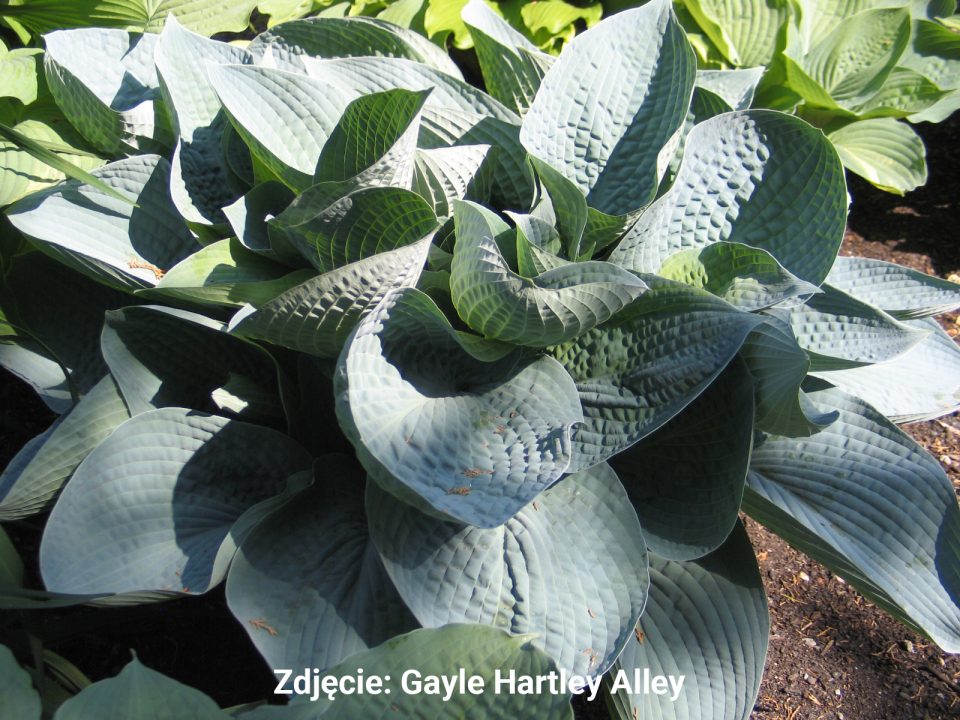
832, 654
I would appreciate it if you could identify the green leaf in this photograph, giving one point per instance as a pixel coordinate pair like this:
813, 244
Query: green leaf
687, 501
475, 439
21, 70
11, 566
162, 357
904, 293
779, 365
746, 32
735, 87
904, 93
248, 217
642, 367
200, 185
482, 652
444, 175
224, 273
921, 384
284, 118
20, 700
746, 277
839, 331
34, 477
563, 205
551, 308
774, 183
331, 230
706, 623
139, 692
308, 585
512, 66
105, 82
27, 361
126, 243
288, 44
869, 503
317, 316
934, 52
183, 529
583, 125
884, 151
524, 576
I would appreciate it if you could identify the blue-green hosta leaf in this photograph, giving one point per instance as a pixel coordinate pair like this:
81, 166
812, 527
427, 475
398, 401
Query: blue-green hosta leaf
224, 273
904, 293
157, 506
307, 583
705, 623
249, 215
581, 600
317, 316
854, 59
687, 501
647, 363
531, 259
551, 308
201, 176
482, 652
474, 439
868, 502
610, 103
283, 117
11, 566
37, 473
839, 331
114, 242
330, 229
746, 277
20, 700
884, 151
921, 384
443, 175
735, 87
513, 179
704, 105
139, 692
26, 360
105, 82
164, 357
288, 44
745, 31
365, 75
756, 177
779, 365
512, 66
563, 205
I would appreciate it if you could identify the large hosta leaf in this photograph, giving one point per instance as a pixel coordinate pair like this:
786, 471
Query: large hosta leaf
286, 45
476, 440
112, 241
139, 692
158, 505
551, 308
921, 384
483, 652
105, 82
688, 501
839, 331
41, 468
647, 363
867, 501
706, 624
755, 177
16, 688
746, 32
308, 585
582, 600
610, 103
201, 184
316, 317
153, 354
444, 175
900, 291
884, 151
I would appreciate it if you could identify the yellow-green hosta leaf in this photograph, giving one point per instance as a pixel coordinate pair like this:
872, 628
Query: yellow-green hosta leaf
585, 126
904, 93
552, 308
884, 151
475, 439
20, 74
747, 32
580, 600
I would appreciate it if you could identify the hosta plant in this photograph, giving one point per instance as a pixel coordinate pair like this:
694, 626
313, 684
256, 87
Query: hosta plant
380, 351
860, 70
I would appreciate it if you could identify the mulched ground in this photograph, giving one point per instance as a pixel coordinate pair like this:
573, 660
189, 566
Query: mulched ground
832, 654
